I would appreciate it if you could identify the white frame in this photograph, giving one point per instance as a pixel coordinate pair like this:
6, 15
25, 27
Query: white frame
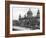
20, 32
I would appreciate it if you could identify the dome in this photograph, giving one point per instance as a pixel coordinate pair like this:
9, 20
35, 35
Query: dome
29, 12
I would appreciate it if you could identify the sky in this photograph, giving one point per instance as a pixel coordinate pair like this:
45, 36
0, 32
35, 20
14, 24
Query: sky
22, 12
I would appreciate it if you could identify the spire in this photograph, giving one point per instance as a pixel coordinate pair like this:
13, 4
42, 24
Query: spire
29, 9
38, 12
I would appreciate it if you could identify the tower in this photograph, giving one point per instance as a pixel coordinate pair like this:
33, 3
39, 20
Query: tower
38, 16
38, 13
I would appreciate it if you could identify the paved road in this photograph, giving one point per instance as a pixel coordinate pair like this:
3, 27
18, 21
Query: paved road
21, 28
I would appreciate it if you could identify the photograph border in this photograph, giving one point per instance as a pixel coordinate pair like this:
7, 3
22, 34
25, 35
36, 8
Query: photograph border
7, 18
